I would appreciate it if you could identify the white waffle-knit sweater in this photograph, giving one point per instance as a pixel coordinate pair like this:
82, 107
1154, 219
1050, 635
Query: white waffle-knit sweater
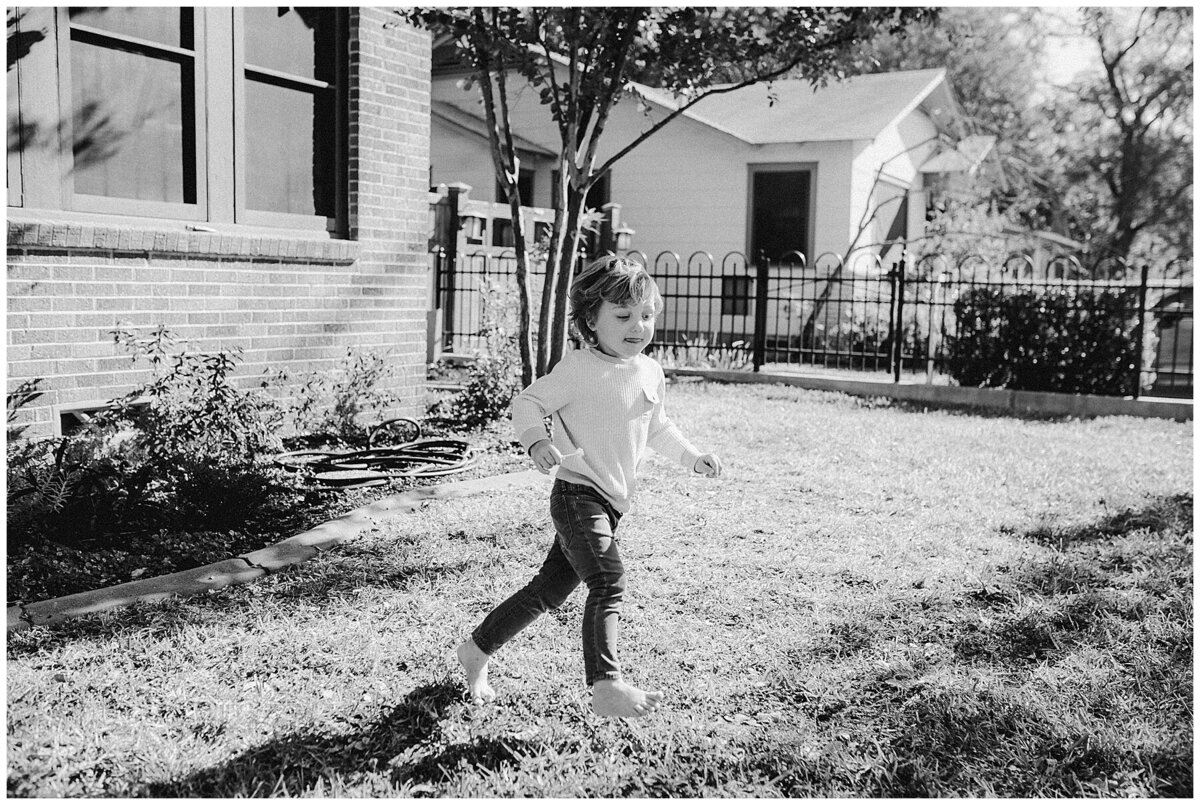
610, 407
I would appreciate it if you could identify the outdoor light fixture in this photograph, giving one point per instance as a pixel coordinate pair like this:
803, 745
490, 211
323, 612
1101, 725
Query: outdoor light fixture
472, 226
624, 238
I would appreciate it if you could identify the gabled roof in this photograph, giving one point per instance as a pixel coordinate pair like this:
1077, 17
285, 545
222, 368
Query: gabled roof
857, 108
476, 125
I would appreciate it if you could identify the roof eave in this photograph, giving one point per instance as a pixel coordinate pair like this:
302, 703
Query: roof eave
652, 95
465, 121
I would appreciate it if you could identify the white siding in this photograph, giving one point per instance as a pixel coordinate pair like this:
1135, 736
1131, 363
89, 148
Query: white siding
684, 189
457, 156
899, 150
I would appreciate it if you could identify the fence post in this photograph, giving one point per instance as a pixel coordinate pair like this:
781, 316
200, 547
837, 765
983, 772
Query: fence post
433, 317
1141, 325
896, 325
760, 310
453, 229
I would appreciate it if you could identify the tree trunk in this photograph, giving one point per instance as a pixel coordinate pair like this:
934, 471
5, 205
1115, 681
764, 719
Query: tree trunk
525, 319
568, 255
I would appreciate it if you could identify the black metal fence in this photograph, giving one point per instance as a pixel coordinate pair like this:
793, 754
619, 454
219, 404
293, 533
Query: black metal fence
478, 294
858, 313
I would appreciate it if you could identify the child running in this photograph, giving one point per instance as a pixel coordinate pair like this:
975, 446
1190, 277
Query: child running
606, 405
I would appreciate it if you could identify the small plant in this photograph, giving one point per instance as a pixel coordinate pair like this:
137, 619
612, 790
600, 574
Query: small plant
191, 410
26, 392
703, 353
341, 405
494, 378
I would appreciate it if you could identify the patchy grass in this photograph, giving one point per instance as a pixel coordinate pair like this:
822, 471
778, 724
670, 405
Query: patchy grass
873, 601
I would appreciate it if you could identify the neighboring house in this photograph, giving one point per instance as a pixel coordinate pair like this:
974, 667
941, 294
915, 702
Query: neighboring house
773, 169
776, 168
247, 177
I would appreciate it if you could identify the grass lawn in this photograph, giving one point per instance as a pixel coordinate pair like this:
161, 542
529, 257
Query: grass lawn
873, 601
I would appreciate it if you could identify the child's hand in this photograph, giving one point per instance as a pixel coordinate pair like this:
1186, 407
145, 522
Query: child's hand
546, 456
708, 465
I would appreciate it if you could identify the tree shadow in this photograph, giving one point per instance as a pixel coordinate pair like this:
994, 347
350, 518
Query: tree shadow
20, 42
1161, 515
407, 742
94, 132
1129, 564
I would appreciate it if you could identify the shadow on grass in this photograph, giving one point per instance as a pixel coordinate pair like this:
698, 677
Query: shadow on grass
405, 744
329, 585
1169, 514
1101, 619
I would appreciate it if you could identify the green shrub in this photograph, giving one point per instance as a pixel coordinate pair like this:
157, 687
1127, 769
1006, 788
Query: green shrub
1064, 340
492, 383
184, 447
494, 378
342, 405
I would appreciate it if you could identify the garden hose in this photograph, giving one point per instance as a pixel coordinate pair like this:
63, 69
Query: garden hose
380, 464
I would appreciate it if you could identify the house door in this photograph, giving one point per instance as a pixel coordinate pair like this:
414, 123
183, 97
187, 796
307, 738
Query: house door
779, 212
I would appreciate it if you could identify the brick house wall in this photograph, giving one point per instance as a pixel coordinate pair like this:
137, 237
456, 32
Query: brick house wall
289, 299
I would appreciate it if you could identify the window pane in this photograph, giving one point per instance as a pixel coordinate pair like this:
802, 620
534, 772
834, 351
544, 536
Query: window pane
289, 161
133, 125
165, 25
287, 39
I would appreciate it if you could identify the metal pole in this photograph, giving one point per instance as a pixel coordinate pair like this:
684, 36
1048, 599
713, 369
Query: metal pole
760, 311
1140, 330
898, 323
453, 225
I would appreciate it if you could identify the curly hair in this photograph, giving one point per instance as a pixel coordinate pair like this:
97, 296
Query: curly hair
613, 279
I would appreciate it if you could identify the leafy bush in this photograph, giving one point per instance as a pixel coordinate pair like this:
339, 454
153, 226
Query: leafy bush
492, 381
191, 411
185, 447
341, 405
494, 378
1073, 341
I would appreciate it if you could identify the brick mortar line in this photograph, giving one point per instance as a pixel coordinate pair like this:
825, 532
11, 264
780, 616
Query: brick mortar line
217, 575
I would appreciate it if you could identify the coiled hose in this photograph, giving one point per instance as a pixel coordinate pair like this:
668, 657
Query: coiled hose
380, 464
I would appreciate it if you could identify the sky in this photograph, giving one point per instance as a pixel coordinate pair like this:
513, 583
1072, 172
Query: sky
1067, 55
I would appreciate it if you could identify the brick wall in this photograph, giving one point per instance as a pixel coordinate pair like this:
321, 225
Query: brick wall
288, 299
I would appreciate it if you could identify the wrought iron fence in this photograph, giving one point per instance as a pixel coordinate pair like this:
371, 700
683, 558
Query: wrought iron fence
480, 292
861, 314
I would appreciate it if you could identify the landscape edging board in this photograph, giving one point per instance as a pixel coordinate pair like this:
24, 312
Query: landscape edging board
255, 564
1044, 403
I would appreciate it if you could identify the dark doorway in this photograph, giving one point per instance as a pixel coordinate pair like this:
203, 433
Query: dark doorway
780, 213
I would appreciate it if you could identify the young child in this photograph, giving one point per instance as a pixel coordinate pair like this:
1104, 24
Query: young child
606, 404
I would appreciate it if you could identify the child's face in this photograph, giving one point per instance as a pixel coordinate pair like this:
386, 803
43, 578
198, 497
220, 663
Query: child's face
624, 330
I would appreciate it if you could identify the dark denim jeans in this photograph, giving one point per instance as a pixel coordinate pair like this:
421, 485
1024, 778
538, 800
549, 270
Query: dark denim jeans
584, 549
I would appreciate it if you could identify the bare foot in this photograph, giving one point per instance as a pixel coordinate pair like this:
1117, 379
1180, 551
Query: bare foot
615, 698
475, 663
